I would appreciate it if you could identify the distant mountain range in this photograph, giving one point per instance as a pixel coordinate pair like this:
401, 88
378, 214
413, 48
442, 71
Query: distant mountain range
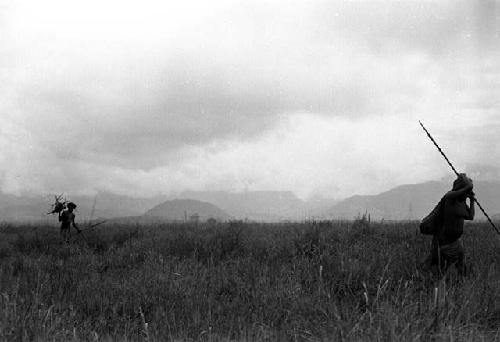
401, 203
253, 205
413, 201
35, 208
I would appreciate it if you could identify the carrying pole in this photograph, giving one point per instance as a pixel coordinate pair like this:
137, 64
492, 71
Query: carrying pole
456, 172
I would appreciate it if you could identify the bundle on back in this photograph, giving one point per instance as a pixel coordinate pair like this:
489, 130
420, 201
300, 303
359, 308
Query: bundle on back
58, 206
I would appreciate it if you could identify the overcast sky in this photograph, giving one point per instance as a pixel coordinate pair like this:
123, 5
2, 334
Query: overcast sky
319, 97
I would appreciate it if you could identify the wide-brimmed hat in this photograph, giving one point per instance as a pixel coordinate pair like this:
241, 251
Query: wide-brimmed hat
71, 205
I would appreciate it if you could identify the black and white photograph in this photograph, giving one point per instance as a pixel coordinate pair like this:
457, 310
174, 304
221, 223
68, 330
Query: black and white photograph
239, 171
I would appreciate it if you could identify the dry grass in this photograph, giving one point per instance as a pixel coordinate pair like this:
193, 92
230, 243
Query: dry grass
341, 281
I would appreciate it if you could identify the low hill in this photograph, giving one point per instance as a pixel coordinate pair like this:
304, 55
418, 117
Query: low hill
182, 209
256, 205
412, 201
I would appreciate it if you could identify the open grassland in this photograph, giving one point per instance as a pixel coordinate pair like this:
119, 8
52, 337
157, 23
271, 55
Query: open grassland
340, 281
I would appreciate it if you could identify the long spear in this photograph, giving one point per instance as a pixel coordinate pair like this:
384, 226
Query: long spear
454, 170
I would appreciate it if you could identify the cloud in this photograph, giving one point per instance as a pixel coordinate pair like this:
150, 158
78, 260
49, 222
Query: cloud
312, 154
120, 96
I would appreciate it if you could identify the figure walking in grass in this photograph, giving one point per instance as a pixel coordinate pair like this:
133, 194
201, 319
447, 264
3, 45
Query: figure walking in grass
447, 248
67, 218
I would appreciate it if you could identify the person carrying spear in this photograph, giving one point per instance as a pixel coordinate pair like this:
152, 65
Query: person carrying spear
446, 221
447, 248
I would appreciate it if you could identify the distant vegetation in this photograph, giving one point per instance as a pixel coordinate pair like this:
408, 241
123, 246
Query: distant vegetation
325, 281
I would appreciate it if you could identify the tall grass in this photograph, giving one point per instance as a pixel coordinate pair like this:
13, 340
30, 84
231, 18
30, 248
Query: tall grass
344, 281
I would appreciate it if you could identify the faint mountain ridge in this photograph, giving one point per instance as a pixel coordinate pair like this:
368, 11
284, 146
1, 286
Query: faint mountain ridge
410, 201
255, 205
413, 201
107, 205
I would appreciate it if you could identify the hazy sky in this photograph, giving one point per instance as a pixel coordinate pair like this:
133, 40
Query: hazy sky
319, 97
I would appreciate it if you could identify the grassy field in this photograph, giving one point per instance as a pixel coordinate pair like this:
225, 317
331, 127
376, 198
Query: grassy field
326, 281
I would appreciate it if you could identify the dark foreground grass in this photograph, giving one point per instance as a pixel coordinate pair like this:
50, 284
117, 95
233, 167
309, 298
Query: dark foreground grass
243, 282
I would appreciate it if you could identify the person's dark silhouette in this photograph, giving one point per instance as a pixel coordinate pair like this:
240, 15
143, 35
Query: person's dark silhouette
447, 248
67, 218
